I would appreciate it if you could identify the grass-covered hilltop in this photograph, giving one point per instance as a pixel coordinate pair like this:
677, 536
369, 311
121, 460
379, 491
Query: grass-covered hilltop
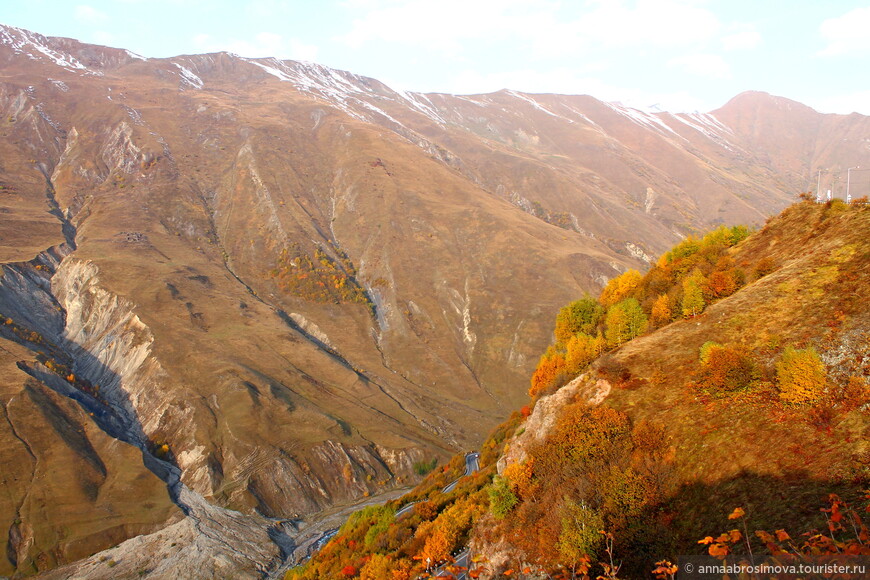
716, 404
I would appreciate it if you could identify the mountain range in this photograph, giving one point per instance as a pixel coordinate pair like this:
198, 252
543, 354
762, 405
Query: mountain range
271, 287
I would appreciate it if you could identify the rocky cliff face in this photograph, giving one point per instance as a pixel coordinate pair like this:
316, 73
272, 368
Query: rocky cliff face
587, 387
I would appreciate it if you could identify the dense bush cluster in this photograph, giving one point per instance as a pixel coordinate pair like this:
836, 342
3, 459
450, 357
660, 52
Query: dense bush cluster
321, 279
595, 471
726, 369
695, 273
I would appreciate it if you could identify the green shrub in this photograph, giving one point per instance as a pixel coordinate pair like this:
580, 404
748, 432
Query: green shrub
424, 467
502, 499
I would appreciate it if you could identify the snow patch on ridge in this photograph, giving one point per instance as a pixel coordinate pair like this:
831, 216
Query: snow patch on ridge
23, 41
351, 93
537, 105
188, 78
427, 107
707, 125
643, 119
584, 117
325, 86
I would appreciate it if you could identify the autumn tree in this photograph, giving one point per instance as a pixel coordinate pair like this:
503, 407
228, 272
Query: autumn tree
550, 371
381, 523
681, 259
661, 311
619, 288
801, 376
437, 546
377, 568
693, 297
624, 321
725, 369
521, 479
738, 233
444, 534
579, 316
720, 284
581, 350
686, 248
502, 499
580, 536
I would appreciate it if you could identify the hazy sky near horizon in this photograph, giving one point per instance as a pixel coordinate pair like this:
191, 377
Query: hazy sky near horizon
678, 55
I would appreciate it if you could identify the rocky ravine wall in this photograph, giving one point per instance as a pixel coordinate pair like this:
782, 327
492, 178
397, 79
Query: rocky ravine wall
68, 488
114, 350
99, 338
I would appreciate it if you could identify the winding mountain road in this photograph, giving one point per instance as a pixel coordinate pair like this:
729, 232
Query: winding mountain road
462, 562
472, 465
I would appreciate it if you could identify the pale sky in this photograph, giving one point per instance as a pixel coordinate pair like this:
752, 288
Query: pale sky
679, 55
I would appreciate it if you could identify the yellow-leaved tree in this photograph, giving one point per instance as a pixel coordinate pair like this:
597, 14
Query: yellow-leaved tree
620, 287
801, 376
582, 349
378, 567
624, 321
693, 297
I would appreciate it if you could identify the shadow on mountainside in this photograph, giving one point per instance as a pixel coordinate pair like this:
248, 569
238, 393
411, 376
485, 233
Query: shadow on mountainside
38, 324
792, 502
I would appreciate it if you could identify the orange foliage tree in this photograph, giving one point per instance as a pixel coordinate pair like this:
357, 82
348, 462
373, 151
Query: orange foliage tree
661, 312
720, 284
726, 369
551, 369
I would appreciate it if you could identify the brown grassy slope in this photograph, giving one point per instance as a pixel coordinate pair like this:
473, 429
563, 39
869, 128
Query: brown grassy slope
745, 450
748, 449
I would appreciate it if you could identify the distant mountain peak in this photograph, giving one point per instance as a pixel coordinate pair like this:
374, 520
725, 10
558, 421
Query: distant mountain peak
761, 99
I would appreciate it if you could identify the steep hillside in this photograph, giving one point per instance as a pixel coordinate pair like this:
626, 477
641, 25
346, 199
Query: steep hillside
286, 285
758, 402
756, 398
